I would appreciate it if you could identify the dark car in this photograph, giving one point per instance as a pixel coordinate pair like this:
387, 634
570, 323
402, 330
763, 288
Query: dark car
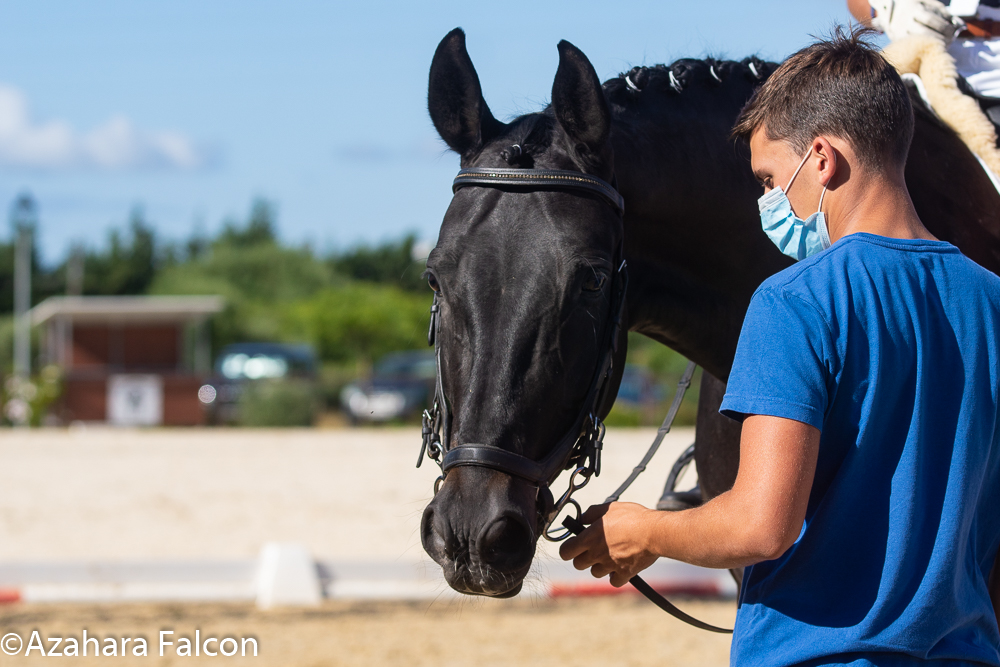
639, 387
400, 386
242, 363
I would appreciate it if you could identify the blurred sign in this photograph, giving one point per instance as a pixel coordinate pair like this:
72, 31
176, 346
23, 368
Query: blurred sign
135, 400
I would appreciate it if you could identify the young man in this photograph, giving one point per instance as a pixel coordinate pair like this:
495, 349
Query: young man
866, 510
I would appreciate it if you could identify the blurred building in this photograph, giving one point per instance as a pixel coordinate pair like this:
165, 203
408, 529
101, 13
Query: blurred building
128, 360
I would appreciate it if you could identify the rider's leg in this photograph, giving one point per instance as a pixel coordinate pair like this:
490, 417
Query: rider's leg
978, 64
989, 105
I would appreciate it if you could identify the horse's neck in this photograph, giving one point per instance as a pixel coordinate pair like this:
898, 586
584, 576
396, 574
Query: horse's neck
693, 243
952, 192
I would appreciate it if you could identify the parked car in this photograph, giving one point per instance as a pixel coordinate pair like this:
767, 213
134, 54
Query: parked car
401, 385
639, 387
241, 364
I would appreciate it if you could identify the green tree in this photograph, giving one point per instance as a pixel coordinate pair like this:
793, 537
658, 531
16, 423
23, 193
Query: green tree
256, 275
127, 265
360, 321
667, 367
391, 263
259, 229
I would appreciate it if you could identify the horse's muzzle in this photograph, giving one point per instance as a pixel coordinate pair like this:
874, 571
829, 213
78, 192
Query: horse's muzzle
483, 548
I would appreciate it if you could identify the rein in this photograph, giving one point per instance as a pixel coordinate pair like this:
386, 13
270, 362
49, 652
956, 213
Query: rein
581, 447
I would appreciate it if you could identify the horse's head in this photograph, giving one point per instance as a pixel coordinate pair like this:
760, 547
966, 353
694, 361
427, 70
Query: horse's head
528, 290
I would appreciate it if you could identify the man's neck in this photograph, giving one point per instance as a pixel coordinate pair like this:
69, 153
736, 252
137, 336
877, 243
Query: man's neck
878, 205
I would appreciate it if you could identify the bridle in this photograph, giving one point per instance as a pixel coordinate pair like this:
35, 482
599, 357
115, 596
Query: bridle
580, 448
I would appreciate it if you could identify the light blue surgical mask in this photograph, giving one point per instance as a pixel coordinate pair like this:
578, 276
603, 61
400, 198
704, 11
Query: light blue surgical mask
794, 236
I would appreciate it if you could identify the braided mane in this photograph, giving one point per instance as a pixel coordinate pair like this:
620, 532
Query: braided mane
532, 133
684, 73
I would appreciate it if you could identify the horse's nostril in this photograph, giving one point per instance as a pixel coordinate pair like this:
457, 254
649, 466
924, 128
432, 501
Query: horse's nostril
505, 542
430, 535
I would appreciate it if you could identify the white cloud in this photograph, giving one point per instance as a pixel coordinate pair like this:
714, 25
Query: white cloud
115, 144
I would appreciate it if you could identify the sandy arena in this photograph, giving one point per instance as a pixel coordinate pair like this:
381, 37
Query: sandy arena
623, 631
347, 495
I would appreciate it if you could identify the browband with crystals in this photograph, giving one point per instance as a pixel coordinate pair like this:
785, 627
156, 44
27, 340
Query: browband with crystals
540, 178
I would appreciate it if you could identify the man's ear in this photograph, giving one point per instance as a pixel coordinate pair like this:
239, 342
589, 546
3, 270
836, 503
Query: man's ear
827, 157
455, 98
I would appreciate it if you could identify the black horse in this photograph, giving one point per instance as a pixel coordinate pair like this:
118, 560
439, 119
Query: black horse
524, 277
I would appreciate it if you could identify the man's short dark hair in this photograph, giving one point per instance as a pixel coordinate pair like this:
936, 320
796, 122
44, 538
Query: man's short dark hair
841, 86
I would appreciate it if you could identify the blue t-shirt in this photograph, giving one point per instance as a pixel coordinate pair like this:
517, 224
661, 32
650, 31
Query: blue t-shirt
892, 349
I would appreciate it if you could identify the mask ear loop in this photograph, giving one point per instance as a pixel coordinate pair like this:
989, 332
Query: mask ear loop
823, 194
801, 164
822, 226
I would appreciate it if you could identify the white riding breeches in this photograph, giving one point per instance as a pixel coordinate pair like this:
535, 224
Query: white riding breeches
978, 61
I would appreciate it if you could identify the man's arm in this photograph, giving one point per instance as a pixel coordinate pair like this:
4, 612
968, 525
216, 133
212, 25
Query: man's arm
758, 519
861, 11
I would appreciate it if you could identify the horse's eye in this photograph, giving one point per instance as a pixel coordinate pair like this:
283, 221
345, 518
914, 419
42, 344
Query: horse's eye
432, 281
595, 282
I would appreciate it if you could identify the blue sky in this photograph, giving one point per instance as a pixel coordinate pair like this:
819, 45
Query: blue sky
191, 109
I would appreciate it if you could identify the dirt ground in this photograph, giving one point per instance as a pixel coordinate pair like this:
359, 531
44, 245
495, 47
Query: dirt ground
348, 496
161, 494
623, 631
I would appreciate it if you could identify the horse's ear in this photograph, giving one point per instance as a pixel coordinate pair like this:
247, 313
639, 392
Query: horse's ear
455, 98
579, 103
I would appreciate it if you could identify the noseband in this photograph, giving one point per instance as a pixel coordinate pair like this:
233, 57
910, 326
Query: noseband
580, 448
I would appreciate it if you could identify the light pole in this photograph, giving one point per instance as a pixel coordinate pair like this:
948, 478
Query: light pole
74, 270
23, 217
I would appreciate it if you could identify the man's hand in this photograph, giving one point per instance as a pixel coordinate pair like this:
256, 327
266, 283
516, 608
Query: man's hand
615, 543
902, 18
